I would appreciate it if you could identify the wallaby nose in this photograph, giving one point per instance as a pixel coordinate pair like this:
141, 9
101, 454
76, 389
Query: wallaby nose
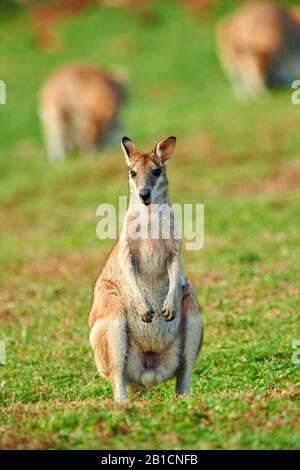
144, 194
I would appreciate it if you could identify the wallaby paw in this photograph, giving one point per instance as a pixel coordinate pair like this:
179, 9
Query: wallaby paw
169, 312
147, 313
123, 401
183, 395
147, 317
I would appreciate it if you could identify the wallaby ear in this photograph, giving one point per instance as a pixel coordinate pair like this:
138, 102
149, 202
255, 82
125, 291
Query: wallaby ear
165, 148
128, 147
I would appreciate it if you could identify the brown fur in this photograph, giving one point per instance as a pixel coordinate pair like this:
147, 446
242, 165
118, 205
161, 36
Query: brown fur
79, 108
259, 47
145, 320
43, 20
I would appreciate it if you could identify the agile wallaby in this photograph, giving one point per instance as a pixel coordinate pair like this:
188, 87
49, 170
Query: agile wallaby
145, 318
79, 109
259, 47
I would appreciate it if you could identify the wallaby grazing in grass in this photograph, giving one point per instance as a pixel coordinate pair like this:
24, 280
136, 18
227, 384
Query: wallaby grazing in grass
259, 47
145, 320
79, 109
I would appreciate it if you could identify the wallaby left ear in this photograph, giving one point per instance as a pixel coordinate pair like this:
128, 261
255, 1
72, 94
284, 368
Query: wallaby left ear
165, 148
128, 147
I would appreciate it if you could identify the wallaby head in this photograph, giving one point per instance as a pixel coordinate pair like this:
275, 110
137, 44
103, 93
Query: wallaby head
147, 171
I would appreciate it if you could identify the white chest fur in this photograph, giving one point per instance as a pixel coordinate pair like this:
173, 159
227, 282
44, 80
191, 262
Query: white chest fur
151, 251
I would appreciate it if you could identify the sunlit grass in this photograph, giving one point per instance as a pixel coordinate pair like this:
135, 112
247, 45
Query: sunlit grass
242, 162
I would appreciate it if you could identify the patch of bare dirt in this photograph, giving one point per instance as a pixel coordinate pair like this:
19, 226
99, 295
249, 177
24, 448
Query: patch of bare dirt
285, 180
15, 221
6, 313
206, 279
41, 408
259, 416
13, 441
68, 268
290, 392
206, 148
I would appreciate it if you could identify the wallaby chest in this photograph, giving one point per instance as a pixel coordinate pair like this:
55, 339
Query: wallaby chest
151, 259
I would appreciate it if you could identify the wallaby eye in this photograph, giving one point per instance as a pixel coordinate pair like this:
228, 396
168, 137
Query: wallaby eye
156, 172
132, 173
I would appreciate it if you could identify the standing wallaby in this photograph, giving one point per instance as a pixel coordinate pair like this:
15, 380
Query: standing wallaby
259, 47
145, 318
79, 109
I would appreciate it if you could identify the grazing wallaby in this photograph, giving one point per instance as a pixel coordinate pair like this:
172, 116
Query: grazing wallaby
259, 47
79, 108
145, 318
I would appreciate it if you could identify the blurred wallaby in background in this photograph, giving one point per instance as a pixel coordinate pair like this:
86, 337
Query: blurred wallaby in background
45, 15
79, 109
259, 46
200, 8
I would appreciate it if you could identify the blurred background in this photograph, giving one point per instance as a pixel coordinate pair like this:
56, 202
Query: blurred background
241, 159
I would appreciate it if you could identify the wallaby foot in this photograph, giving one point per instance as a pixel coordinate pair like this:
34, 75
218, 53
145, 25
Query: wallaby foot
119, 386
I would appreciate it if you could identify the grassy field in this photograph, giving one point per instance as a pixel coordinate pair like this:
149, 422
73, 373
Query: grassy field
241, 161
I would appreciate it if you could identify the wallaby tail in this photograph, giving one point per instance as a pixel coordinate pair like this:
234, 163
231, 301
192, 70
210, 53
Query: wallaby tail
120, 81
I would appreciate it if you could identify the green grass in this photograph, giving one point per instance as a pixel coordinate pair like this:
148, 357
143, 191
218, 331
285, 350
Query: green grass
242, 162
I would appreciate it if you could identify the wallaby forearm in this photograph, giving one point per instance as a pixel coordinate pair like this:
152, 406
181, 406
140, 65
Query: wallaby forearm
144, 308
128, 265
173, 273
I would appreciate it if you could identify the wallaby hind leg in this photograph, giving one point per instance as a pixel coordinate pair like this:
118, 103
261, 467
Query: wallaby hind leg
109, 342
252, 77
92, 133
54, 132
229, 60
191, 340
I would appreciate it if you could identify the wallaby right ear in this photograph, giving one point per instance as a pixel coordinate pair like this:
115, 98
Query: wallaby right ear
165, 148
128, 147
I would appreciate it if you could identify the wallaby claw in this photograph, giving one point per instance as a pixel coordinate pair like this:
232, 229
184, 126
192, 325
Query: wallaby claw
169, 313
147, 314
147, 317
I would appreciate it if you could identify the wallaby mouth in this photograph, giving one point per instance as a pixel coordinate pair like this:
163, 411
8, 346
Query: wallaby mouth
145, 196
146, 202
